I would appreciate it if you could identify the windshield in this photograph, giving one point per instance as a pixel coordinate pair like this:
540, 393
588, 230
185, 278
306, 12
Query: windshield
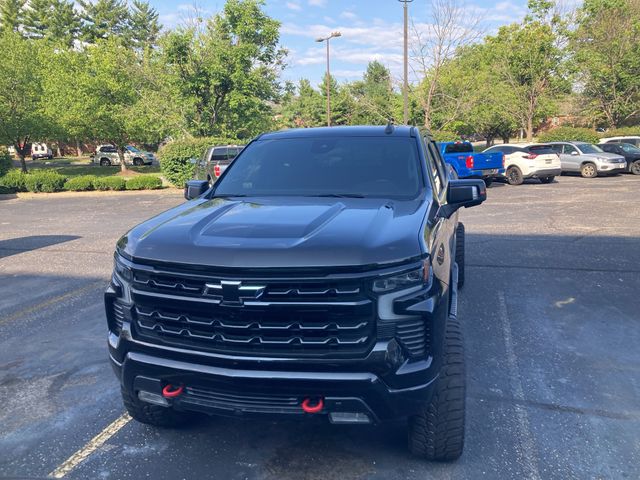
628, 148
386, 167
131, 148
588, 148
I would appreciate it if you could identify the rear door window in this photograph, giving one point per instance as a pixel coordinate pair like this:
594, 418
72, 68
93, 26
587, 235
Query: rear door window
569, 149
458, 148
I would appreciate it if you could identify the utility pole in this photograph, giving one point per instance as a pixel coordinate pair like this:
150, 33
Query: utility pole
405, 86
326, 39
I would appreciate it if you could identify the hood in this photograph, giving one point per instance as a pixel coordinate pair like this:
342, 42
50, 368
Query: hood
282, 232
608, 155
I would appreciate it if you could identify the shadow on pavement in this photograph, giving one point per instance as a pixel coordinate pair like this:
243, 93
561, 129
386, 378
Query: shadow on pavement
13, 246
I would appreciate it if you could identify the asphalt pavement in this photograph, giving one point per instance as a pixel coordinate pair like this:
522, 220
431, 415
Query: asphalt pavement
551, 313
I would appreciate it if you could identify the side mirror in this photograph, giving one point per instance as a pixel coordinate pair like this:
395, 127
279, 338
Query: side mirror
193, 160
463, 193
195, 188
574, 153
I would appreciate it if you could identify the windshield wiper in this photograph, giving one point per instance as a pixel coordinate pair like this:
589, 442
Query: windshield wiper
229, 195
338, 195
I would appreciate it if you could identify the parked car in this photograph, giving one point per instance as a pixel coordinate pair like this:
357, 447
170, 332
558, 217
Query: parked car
588, 159
528, 161
311, 280
633, 140
214, 161
40, 150
630, 153
107, 155
469, 164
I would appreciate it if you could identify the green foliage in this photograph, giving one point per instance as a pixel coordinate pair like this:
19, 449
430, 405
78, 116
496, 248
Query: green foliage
103, 19
306, 109
81, 183
622, 132
144, 25
44, 181
11, 13
445, 136
14, 180
109, 183
561, 134
174, 157
5, 162
144, 182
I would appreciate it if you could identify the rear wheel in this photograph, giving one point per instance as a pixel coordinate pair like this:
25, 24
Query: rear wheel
460, 233
514, 176
547, 179
154, 414
437, 432
635, 167
588, 170
105, 162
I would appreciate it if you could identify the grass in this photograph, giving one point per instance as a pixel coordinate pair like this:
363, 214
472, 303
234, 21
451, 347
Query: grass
74, 167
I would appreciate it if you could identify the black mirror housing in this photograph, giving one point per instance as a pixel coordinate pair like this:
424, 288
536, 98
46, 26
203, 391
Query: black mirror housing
463, 193
195, 188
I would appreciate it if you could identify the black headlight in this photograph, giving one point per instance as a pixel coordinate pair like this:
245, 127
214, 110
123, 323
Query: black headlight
122, 270
417, 277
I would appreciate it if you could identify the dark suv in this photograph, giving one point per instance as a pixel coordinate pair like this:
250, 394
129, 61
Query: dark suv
319, 276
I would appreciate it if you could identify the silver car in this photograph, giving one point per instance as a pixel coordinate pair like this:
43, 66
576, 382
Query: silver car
215, 161
590, 160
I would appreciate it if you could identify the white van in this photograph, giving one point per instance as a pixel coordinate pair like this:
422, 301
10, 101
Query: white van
40, 150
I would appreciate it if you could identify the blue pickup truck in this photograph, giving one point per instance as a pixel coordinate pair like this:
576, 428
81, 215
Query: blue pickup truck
469, 164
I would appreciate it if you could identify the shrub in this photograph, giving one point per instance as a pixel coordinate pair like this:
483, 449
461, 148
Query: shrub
5, 161
174, 157
44, 181
81, 183
109, 183
14, 180
566, 134
445, 136
622, 132
144, 182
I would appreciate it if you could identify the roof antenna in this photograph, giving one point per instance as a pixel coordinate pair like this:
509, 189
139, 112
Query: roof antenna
390, 126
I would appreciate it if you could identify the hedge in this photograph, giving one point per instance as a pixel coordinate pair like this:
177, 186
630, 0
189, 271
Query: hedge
5, 161
144, 182
44, 181
622, 132
174, 157
14, 180
109, 183
565, 134
81, 183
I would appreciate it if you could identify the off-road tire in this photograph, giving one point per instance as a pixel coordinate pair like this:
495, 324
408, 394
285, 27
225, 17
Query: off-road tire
514, 176
547, 179
437, 433
105, 162
154, 414
635, 167
460, 233
589, 170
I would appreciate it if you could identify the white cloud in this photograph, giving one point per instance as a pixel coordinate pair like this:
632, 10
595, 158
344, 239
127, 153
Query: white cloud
348, 15
294, 6
318, 3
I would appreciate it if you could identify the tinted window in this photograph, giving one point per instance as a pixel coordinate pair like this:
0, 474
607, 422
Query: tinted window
108, 149
458, 148
436, 169
233, 153
588, 148
219, 154
628, 148
569, 149
557, 148
609, 148
386, 167
541, 149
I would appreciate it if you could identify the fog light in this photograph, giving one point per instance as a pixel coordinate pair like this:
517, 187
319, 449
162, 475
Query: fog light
153, 398
349, 417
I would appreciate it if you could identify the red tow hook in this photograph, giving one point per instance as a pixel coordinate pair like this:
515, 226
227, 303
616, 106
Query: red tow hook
308, 407
171, 391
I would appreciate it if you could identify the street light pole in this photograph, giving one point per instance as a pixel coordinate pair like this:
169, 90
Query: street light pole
405, 86
320, 40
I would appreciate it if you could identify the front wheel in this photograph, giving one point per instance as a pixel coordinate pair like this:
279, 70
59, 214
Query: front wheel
547, 179
635, 167
588, 170
105, 162
138, 162
437, 432
514, 176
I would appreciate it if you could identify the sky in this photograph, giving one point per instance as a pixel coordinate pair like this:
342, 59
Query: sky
371, 30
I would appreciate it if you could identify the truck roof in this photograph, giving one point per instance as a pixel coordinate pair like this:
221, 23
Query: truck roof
356, 131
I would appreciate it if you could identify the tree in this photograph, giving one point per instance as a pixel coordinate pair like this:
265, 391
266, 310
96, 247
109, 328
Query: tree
607, 59
373, 96
103, 19
306, 109
21, 97
36, 18
11, 12
64, 23
144, 25
227, 72
449, 28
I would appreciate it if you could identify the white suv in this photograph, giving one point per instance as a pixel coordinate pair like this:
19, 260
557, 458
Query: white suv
528, 161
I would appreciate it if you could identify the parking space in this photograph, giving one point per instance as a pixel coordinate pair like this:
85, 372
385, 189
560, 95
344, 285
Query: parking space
550, 312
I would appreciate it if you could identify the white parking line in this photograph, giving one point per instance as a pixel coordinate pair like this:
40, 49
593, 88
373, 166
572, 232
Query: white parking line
96, 442
527, 451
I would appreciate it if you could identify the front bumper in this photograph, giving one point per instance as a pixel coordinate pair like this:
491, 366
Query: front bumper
612, 167
547, 172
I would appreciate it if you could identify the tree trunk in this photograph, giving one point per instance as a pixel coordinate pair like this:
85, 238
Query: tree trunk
23, 164
529, 129
58, 152
123, 166
505, 139
487, 142
78, 148
21, 153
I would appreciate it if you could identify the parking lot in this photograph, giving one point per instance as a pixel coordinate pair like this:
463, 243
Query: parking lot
551, 312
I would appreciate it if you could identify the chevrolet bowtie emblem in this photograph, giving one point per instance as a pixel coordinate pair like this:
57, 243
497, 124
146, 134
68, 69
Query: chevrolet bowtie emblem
233, 292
